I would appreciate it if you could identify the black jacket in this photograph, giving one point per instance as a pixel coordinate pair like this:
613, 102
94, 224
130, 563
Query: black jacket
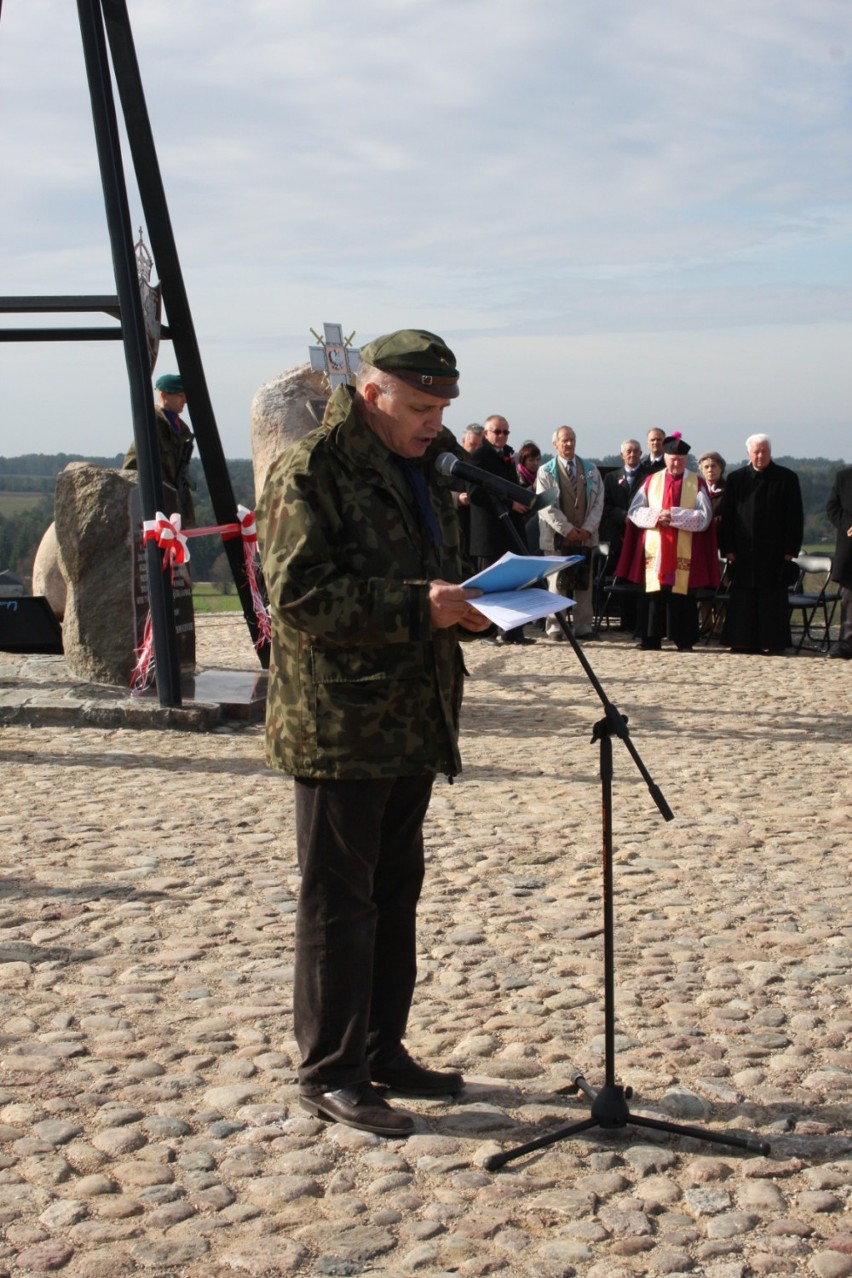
839, 511
761, 522
618, 493
489, 536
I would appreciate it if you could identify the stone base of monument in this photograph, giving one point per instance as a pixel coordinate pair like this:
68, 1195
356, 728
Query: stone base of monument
240, 694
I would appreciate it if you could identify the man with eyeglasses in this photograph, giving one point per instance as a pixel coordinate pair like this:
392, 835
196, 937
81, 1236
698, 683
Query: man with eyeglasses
489, 536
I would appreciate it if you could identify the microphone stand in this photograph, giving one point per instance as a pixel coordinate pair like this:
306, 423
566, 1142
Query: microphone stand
609, 1108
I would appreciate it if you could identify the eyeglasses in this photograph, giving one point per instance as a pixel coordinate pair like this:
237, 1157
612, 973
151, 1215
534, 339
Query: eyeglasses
498, 432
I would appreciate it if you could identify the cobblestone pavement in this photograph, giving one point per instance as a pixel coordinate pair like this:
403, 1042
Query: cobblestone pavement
149, 1122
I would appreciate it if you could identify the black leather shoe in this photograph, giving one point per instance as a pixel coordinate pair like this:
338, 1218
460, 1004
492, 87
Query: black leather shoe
403, 1074
359, 1106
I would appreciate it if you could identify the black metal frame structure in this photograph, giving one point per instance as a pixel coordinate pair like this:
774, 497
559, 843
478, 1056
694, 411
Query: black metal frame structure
105, 31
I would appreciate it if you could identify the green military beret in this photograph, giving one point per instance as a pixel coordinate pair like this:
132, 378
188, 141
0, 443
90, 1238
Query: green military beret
169, 384
419, 358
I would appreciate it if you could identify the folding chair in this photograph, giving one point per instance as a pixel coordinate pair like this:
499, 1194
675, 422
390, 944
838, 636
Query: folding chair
609, 587
714, 604
817, 606
600, 578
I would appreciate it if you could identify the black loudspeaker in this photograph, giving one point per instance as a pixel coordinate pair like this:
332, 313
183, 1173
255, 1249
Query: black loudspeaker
28, 624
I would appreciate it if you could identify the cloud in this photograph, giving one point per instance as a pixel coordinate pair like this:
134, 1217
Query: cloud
485, 167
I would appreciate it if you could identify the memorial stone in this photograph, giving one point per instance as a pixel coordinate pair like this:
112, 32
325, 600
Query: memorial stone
47, 574
280, 414
98, 531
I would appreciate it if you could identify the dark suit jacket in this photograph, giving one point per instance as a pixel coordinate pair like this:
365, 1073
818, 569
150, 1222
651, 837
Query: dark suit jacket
839, 511
489, 537
647, 467
618, 493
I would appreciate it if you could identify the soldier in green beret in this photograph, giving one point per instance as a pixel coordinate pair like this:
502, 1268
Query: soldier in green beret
174, 439
360, 546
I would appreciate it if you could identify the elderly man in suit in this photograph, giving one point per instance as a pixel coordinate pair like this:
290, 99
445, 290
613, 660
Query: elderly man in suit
619, 487
570, 526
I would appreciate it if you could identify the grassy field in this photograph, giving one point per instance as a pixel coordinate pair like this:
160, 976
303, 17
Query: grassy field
209, 598
12, 504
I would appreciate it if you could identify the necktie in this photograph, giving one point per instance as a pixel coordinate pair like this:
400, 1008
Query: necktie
420, 492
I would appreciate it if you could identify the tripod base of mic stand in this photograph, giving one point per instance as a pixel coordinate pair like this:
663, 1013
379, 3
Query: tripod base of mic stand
610, 1110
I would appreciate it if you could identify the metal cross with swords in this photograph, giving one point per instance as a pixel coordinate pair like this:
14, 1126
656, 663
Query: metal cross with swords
335, 356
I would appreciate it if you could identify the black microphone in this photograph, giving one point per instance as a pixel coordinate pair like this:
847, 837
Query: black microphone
449, 464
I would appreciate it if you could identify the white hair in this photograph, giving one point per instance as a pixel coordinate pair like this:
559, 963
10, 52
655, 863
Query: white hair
754, 440
559, 428
629, 443
369, 373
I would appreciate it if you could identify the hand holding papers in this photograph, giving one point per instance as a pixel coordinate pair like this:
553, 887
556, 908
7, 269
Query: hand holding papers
508, 600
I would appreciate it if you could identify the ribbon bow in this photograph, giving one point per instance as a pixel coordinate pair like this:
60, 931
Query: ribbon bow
168, 536
248, 524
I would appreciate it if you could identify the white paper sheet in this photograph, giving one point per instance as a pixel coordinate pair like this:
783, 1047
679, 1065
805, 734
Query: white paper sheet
509, 608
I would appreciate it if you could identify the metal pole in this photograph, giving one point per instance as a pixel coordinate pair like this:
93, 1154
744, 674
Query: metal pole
182, 329
135, 340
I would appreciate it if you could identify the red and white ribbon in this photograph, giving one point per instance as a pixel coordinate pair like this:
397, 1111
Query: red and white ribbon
172, 540
248, 525
169, 537
248, 529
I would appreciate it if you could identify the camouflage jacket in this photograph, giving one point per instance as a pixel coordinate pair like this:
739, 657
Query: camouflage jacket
361, 686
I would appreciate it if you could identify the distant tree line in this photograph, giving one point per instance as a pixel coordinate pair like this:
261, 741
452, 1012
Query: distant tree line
209, 561
36, 473
21, 532
20, 535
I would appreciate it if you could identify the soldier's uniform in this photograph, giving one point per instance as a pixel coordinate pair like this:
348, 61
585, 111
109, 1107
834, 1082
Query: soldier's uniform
363, 711
174, 441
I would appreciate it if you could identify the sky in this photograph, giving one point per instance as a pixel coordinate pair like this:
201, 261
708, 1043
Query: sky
618, 215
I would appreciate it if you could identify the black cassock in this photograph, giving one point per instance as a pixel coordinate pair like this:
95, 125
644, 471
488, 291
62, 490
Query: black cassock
762, 524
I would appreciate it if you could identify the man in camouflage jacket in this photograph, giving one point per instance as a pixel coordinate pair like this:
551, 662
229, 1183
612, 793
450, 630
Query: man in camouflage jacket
360, 549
